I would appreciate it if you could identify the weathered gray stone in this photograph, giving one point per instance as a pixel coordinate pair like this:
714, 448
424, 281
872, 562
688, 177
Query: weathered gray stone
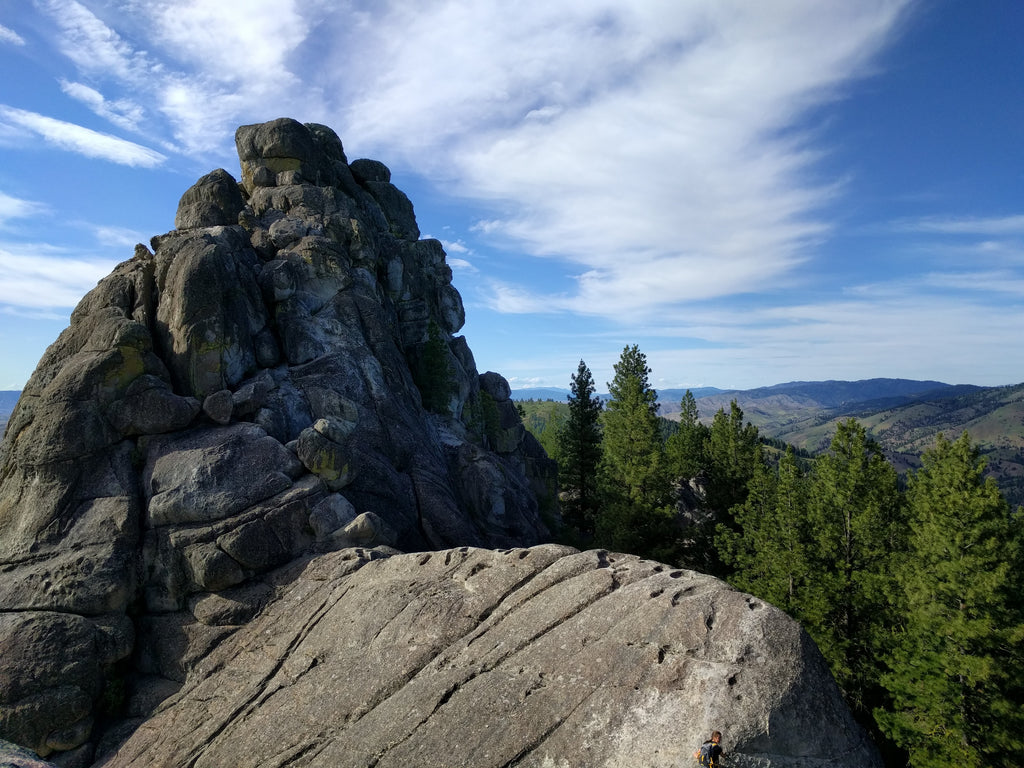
330, 461
49, 676
495, 385
366, 530
210, 309
213, 201
252, 394
291, 306
211, 568
280, 145
170, 644
529, 657
338, 428
94, 569
210, 474
329, 515
219, 406
366, 170
149, 407
230, 607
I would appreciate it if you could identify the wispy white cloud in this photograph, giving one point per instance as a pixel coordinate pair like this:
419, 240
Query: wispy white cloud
1001, 281
16, 208
123, 113
118, 237
77, 138
650, 145
456, 246
94, 47
663, 153
231, 45
39, 277
10, 37
902, 335
461, 265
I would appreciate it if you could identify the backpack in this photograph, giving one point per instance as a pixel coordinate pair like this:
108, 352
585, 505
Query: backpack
706, 753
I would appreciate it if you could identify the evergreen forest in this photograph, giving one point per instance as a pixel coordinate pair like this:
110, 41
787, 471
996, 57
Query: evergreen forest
910, 587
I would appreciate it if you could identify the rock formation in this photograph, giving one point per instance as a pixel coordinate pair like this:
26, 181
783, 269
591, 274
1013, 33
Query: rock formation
247, 391
525, 657
206, 485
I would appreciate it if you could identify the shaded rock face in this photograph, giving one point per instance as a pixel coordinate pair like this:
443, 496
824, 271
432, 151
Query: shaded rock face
528, 657
238, 395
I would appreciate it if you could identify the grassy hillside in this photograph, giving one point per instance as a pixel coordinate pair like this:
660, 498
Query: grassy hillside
993, 416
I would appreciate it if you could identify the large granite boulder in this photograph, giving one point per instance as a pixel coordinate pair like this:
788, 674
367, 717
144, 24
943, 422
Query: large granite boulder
527, 657
240, 394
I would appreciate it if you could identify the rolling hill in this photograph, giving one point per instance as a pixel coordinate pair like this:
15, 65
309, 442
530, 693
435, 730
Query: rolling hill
903, 415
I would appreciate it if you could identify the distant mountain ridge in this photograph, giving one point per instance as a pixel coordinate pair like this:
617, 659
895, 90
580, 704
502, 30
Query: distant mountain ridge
903, 415
559, 394
821, 394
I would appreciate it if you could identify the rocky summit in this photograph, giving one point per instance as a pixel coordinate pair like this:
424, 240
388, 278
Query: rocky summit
249, 389
209, 483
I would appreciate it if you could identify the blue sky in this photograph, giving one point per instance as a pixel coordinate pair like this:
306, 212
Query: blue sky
752, 192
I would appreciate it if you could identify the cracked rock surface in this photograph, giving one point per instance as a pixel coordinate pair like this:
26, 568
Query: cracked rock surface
527, 657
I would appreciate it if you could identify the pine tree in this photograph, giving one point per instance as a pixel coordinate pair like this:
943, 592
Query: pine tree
856, 530
434, 375
579, 449
634, 515
685, 449
632, 436
732, 457
956, 673
768, 552
744, 547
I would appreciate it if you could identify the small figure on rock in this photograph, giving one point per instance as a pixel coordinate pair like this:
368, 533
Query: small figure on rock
710, 752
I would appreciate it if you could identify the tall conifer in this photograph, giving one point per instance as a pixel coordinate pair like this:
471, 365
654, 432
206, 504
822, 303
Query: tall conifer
732, 457
632, 438
685, 449
579, 441
956, 674
856, 528
768, 552
634, 516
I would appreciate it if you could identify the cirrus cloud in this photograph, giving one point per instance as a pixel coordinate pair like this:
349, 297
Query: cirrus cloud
77, 138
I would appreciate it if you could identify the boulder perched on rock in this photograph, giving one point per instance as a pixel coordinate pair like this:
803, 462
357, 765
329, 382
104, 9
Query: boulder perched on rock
244, 392
530, 657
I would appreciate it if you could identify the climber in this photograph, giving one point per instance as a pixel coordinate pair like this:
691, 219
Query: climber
710, 751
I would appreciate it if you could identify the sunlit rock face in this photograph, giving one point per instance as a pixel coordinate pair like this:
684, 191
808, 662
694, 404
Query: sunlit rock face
239, 394
529, 657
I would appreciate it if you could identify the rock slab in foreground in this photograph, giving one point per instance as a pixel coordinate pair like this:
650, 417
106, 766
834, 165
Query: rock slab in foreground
527, 657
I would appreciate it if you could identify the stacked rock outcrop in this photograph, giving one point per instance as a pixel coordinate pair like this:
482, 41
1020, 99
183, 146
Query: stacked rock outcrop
246, 391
